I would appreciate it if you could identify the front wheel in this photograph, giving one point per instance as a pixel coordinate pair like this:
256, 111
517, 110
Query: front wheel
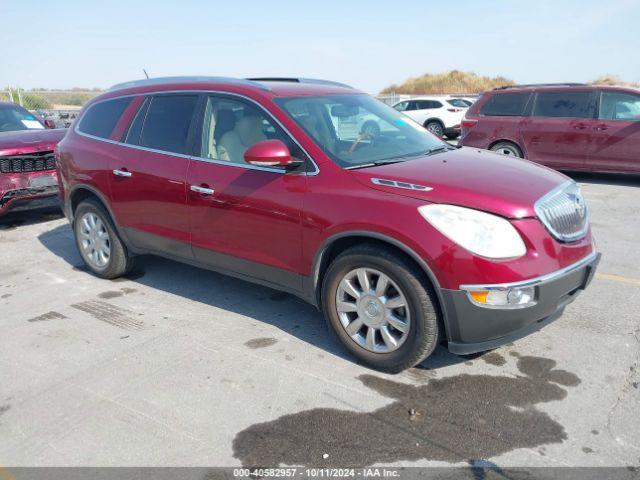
379, 305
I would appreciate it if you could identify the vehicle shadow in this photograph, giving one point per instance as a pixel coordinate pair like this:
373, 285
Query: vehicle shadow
14, 220
606, 178
284, 311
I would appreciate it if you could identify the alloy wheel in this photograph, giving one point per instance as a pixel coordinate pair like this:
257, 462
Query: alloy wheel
373, 310
94, 240
435, 128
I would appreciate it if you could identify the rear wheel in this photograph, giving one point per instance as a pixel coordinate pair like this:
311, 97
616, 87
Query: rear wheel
435, 127
452, 136
379, 306
100, 247
507, 148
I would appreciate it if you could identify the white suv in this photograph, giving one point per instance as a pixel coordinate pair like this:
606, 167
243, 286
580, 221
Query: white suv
440, 115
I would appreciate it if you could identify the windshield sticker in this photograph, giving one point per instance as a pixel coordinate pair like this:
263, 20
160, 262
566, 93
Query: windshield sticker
32, 124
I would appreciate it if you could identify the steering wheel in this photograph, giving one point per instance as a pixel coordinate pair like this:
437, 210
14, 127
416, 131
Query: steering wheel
370, 129
5, 125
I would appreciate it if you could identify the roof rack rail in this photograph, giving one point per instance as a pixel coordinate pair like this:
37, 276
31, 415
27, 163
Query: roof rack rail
299, 80
526, 85
195, 79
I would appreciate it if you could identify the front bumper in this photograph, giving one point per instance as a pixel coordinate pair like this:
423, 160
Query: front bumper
473, 328
29, 199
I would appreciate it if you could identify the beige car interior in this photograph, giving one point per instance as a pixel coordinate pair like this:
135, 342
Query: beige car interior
230, 128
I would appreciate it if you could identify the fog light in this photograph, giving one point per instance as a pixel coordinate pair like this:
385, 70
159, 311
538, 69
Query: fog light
516, 297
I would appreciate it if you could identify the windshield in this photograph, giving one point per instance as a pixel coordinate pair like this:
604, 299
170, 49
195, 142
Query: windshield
357, 130
16, 118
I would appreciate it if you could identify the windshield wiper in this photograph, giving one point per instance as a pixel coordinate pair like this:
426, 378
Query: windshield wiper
389, 161
439, 149
377, 163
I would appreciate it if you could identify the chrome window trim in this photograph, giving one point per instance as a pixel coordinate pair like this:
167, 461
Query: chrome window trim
315, 172
563, 238
532, 282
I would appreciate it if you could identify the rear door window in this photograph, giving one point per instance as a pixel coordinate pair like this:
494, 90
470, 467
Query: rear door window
428, 104
101, 118
167, 123
506, 104
565, 104
619, 106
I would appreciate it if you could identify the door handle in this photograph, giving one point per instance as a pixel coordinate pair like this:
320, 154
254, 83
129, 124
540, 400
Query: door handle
122, 173
580, 126
202, 190
600, 127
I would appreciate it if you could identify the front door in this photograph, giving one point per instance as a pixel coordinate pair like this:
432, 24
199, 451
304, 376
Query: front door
148, 185
616, 133
245, 219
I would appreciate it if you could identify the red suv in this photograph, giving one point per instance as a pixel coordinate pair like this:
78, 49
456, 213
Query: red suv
28, 177
319, 190
566, 127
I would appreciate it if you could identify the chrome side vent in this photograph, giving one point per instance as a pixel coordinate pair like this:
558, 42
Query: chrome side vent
396, 184
563, 212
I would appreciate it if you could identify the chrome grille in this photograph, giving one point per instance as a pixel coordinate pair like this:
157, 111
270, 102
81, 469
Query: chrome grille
563, 212
33, 162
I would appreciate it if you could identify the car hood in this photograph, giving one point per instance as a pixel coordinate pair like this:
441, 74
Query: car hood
29, 141
469, 177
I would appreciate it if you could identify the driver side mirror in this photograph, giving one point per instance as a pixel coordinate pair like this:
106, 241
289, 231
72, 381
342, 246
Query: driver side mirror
269, 153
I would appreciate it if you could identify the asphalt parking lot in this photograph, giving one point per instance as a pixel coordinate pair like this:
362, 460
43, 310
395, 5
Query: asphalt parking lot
180, 366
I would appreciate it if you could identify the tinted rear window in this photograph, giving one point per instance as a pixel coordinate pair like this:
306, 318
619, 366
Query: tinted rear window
427, 104
564, 104
100, 119
167, 122
507, 104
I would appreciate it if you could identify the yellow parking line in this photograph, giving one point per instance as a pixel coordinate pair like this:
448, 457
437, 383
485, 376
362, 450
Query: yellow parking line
618, 278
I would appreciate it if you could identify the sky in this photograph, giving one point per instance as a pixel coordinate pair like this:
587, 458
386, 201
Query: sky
367, 44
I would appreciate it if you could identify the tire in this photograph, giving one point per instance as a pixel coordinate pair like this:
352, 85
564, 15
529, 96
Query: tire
452, 136
509, 149
435, 127
92, 238
406, 282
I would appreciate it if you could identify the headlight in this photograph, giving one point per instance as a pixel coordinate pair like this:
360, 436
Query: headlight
479, 232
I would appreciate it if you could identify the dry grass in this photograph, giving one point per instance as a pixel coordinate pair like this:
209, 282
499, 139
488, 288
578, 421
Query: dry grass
454, 81
613, 80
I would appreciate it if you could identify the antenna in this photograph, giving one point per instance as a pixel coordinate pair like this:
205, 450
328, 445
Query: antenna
145, 73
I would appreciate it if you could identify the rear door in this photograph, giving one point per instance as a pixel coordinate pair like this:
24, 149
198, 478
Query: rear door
424, 109
148, 182
616, 145
411, 110
244, 219
559, 131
